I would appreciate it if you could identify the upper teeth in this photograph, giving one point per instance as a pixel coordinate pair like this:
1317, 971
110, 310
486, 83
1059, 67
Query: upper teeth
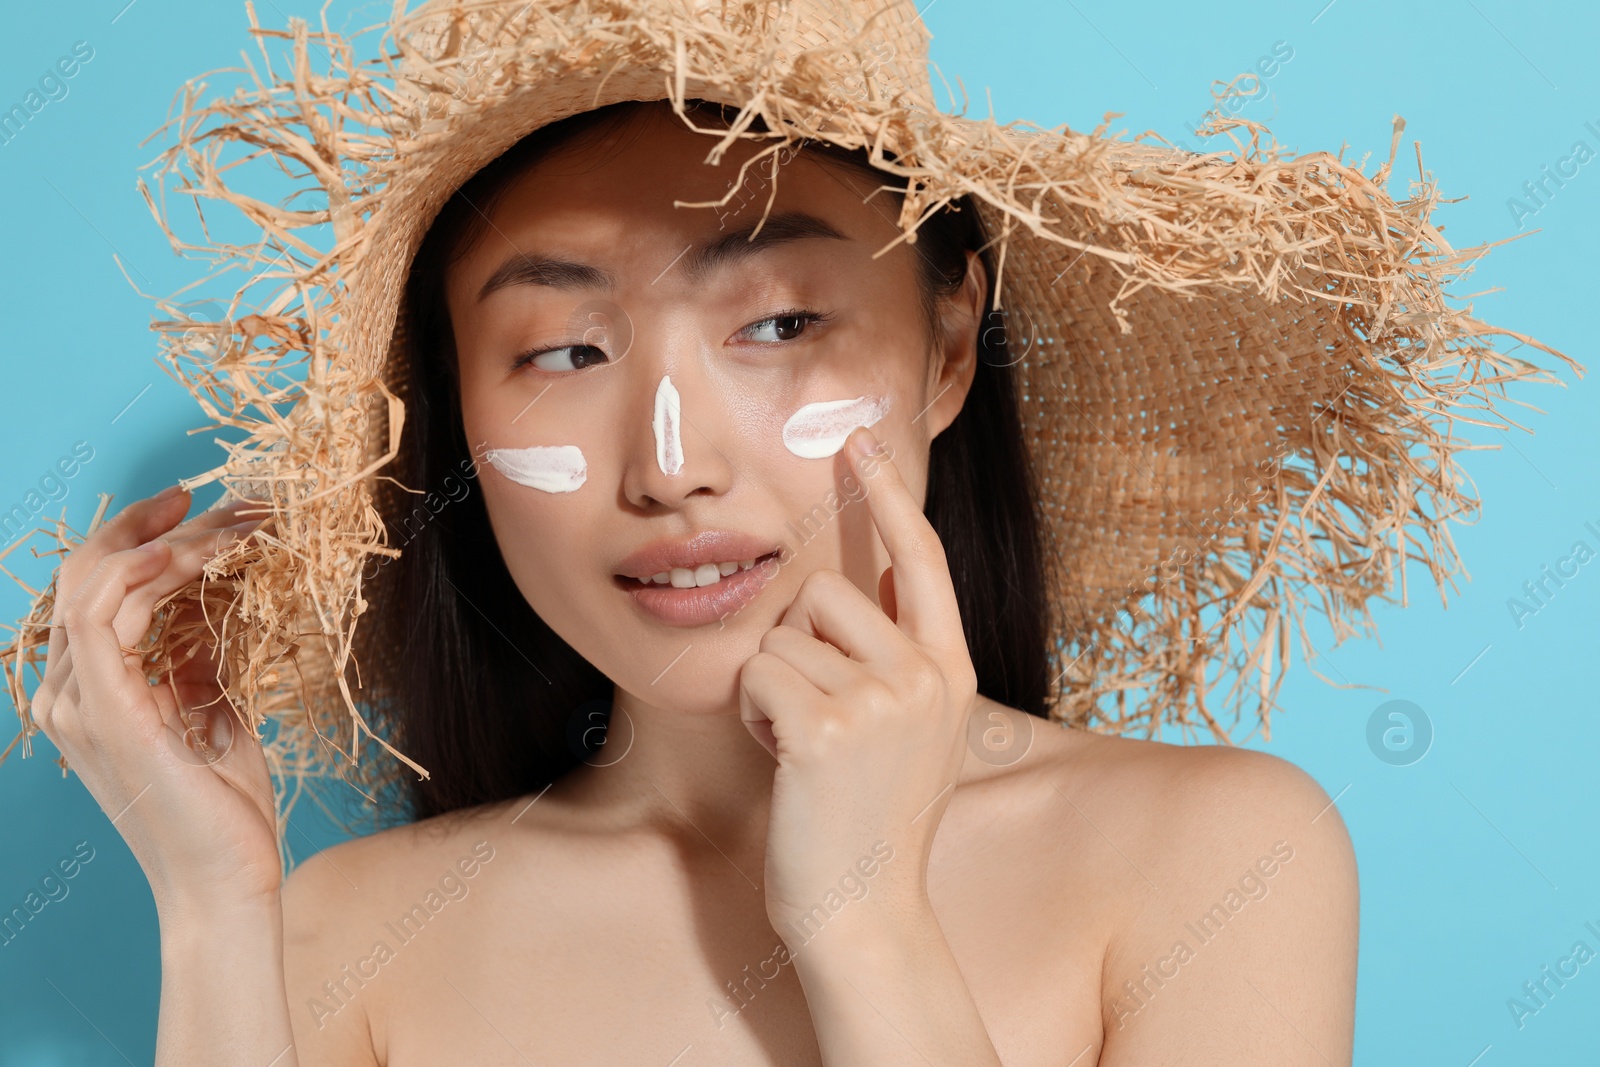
690, 577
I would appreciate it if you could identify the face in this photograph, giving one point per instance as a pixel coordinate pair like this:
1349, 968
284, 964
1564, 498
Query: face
643, 401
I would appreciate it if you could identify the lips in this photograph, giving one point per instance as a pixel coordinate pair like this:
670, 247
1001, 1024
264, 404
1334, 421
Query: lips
700, 605
697, 591
709, 546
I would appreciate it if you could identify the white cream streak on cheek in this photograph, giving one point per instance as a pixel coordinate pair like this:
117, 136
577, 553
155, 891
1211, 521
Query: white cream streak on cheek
552, 468
669, 445
819, 430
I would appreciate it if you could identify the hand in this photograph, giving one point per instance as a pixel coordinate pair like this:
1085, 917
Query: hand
865, 710
203, 828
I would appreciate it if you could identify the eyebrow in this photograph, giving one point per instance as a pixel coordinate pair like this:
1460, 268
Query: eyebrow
715, 253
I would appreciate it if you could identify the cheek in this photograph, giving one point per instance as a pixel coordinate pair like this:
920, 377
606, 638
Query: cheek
547, 468
818, 429
531, 454
539, 490
544, 540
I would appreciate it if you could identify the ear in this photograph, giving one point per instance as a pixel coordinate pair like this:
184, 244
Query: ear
961, 318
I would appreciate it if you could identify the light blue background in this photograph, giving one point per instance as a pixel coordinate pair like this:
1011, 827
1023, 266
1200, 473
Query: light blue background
1479, 863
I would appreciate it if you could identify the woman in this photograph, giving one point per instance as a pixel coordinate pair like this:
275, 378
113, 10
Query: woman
735, 566
674, 899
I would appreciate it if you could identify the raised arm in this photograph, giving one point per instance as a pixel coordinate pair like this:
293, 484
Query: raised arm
187, 789
865, 708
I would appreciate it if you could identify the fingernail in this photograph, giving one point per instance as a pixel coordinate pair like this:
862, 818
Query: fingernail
167, 493
864, 443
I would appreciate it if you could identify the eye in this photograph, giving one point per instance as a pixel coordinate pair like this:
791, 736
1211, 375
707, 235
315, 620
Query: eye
786, 325
562, 358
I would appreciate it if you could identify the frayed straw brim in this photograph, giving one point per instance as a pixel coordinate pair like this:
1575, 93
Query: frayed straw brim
1240, 373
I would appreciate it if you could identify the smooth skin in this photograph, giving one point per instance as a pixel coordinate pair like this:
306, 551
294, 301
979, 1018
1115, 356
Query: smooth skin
647, 907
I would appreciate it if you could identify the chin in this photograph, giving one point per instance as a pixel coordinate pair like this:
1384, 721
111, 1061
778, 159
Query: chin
703, 680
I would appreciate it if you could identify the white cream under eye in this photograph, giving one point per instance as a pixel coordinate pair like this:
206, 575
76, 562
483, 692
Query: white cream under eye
550, 468
819, 430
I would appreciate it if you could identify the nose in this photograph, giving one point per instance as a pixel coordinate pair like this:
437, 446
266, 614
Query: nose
673, 445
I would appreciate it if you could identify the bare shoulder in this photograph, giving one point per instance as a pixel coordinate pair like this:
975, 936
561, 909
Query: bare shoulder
1173, 797
1213, 887
1222, 881
1191, 803
1195, 800
339, 910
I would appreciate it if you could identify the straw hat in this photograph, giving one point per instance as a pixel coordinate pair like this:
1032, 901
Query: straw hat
1239, 371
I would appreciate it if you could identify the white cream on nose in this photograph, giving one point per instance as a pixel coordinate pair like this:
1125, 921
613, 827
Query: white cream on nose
551, 468
819, 430
669, 444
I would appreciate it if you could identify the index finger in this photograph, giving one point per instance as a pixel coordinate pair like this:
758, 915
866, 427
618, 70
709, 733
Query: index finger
925, 598
141, 521
128, 528
146, 519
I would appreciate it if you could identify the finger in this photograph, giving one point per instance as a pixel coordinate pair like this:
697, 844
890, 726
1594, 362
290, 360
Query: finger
132, 621
821, 664
235, 512
58, 636
195, 673
194, 678
105, 672
169, 705
924, 595
217, 516
761, 730
63, 718
773, 692
134, 525
830, 606
200, 724
199, 538
50, 699
242, 762
128, 528
204, 728
886, 599
187, 557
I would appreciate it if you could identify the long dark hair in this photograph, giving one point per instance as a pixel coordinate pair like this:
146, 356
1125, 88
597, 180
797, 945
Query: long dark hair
478, 689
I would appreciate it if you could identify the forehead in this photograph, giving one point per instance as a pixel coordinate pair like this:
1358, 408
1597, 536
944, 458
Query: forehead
610, 198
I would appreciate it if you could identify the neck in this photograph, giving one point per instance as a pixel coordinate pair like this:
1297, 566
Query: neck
662, 768
701, 774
